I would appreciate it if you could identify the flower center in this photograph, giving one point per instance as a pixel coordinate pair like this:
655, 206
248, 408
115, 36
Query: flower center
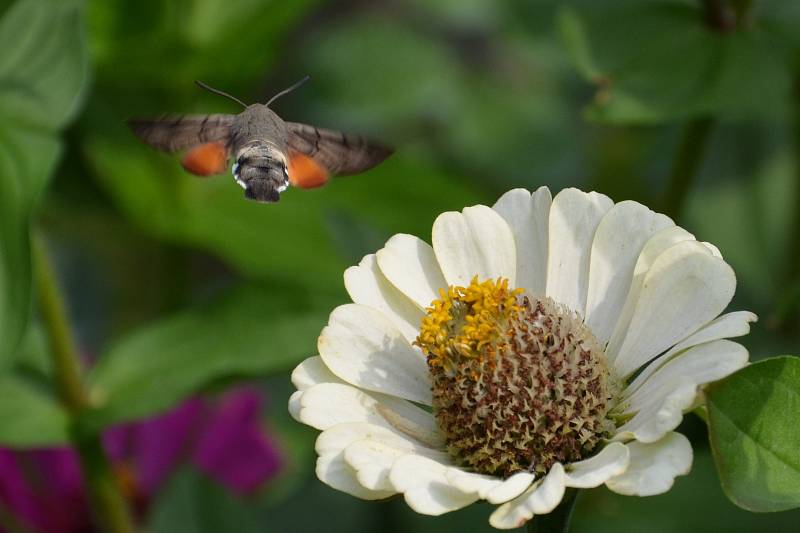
519, 382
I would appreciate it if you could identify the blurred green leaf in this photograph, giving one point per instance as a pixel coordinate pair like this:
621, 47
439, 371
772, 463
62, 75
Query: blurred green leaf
659, 61
192, 503
151, 44
248, 332
33, 355
491, 109
755, 436
757, 243
781, 18
381, 53
29, 417
42, 73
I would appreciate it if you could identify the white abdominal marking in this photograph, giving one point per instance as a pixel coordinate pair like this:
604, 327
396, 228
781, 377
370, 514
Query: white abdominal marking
235, 172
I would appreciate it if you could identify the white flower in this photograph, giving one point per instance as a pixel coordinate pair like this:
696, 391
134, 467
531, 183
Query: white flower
618, 314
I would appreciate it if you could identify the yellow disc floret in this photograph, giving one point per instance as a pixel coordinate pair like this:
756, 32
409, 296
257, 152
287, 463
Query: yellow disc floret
467, 322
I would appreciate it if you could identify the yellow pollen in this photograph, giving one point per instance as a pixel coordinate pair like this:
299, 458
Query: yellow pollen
467, 322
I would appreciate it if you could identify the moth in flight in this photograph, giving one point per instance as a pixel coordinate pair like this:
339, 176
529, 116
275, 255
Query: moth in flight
269, 154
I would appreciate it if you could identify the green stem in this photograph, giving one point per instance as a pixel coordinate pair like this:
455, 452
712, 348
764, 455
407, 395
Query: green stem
556, 521
62, 345
108, 503
684, 169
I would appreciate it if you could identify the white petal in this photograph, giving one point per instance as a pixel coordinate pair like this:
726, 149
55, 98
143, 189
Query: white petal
372, 459
367, 448
329, 404
332, 467
472, 483
367, 285
541, 498
660, 402
475, 242
574, 217
364, 348
528, 217
409, 264
593, 472
713, 249
351, 472
653, 467
658, 244
335, 472
424, 485
620, 237
728, 325
294, 405
339, 437
494, 489
312, 371
686, 288
409, 419
510, 488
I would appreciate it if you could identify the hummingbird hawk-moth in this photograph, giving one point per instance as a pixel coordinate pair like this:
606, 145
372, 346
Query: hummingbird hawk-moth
269, 154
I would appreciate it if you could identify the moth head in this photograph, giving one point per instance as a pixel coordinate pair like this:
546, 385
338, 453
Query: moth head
261, 170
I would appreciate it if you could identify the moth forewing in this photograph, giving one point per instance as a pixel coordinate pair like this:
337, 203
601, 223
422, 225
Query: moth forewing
172, 133
339, 153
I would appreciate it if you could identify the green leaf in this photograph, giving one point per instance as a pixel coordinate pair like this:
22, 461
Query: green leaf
658, 61
248, 332
192, 503
138, 46
42, 72
755, 436
756, 246
28, 416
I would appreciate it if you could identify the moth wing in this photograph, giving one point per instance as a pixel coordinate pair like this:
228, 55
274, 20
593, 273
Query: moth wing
206, 159
173, 133
314, 152
306, 173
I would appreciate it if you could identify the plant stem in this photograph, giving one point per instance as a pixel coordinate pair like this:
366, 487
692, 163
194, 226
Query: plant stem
556, 521
108, 503
62, 345
684, 169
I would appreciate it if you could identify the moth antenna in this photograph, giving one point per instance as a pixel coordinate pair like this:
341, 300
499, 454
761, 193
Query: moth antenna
290, 89
217, 91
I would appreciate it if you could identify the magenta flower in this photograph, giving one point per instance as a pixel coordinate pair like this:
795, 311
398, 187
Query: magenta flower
43, 490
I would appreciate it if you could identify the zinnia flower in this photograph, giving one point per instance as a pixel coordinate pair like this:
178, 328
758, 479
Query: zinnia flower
537, 345
42, 490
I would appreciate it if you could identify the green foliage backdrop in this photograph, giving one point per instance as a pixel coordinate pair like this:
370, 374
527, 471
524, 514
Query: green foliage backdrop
178, 285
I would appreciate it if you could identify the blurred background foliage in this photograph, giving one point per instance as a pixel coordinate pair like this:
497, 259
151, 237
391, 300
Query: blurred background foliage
178, 285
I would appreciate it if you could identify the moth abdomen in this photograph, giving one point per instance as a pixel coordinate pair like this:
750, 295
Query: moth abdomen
260, 169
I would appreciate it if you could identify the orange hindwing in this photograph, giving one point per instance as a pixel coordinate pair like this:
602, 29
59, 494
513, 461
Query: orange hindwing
206, 159
306, 173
